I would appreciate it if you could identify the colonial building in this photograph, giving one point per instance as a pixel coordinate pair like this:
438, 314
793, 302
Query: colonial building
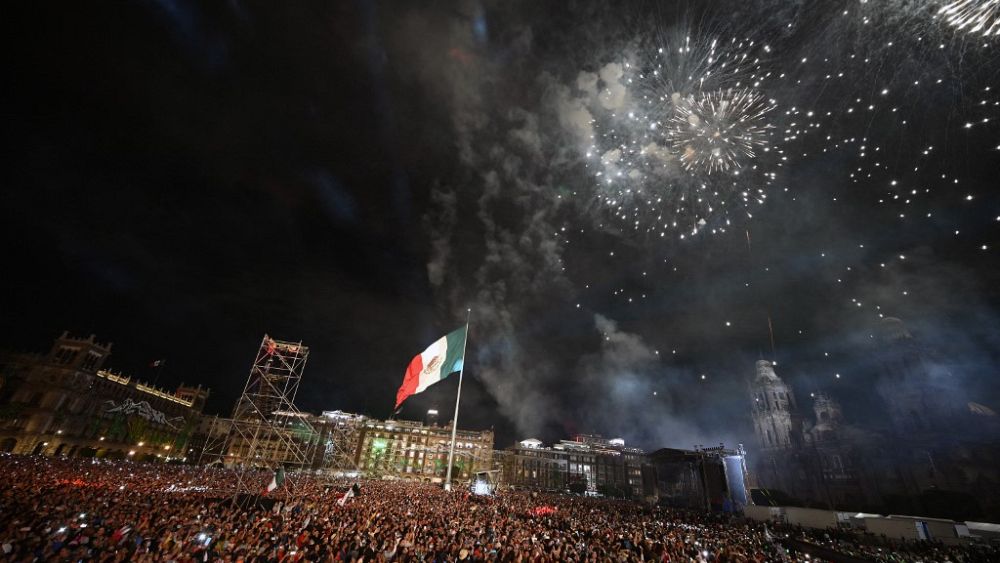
411, 450
339, 442
588, 462
933, 452
820, 458
776, 418
779, 429
529, 464
65, 403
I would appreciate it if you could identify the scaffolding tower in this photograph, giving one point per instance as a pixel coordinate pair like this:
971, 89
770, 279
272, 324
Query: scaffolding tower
267, 431
213, 441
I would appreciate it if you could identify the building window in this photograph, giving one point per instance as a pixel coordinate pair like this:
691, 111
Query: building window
66, 355
90, 362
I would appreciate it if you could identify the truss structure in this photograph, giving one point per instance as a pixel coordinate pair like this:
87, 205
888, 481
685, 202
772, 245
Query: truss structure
267, 431
213, 441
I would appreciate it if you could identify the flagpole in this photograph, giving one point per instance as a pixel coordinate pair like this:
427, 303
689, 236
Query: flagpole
458, 397
159, 370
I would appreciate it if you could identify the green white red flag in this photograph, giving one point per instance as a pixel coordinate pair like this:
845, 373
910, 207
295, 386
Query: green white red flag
438, 361
276, 481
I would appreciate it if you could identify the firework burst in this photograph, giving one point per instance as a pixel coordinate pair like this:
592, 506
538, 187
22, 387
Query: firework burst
716, 131
684, 68
977, 17
682, 152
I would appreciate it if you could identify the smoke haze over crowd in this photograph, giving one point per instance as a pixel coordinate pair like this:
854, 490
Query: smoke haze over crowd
357, 176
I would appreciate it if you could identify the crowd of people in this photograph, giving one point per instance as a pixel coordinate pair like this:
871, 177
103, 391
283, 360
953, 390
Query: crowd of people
59, 509
871, 547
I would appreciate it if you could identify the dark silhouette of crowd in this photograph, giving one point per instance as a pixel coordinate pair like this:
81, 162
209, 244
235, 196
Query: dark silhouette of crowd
58, 509
872, 547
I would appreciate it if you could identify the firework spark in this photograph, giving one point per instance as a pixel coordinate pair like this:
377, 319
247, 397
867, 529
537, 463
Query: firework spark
716, 131
980, 17
683, 68
642, 161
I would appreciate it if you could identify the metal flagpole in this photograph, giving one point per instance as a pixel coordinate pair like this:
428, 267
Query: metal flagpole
458, 397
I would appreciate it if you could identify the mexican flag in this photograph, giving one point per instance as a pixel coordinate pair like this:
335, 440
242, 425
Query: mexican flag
276, 480
437, 362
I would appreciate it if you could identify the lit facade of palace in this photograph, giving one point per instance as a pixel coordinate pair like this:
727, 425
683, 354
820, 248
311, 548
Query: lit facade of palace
407, 449
338, 441
65, 403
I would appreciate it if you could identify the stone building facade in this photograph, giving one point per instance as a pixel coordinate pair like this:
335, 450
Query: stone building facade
411, 450
65, 403
933, 452
818, 458
588, 462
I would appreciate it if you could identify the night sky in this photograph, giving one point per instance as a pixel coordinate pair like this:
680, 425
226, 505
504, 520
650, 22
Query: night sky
182, 178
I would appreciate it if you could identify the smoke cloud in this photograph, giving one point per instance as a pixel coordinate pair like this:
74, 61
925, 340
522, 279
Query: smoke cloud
618, 385
517, 148
521, 133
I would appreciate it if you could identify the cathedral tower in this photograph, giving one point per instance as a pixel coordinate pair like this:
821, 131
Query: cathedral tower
828, 418
775, 418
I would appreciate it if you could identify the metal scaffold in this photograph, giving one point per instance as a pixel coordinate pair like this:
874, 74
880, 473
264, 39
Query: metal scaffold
213, 441
267, 431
